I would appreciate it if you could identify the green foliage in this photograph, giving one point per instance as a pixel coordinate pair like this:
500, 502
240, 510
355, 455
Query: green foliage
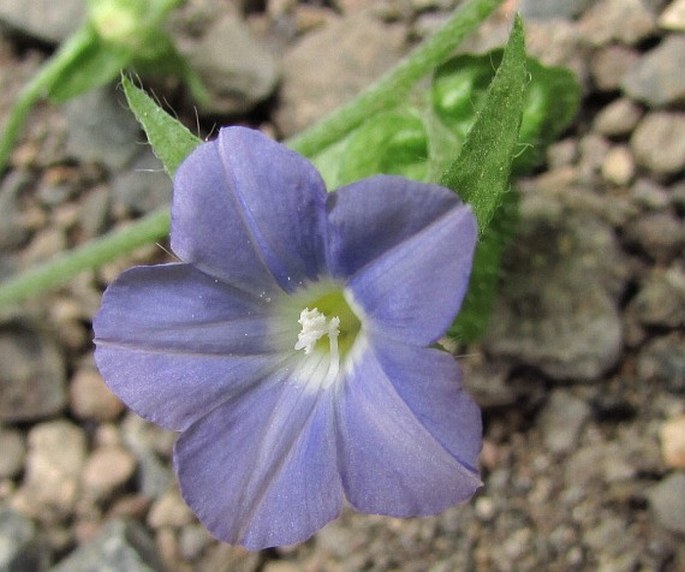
171, 141
480, 174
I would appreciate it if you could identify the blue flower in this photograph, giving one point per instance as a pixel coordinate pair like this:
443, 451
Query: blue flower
290, 347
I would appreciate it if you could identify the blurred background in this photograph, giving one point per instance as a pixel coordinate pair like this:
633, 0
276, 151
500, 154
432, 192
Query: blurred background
581, 375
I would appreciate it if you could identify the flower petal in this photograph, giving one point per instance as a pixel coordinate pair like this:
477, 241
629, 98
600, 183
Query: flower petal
392, 458
413, 290
429, 382
260, 470
172, 342
250, 211
371, 216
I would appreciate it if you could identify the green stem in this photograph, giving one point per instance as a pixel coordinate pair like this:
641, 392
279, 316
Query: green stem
390, 88
395, 84
39, 87
91, 255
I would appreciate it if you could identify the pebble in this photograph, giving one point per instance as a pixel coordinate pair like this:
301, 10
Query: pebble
546, 10
659, 234
658, 78
356, 51
649, 195
13, 230
667, 500
13, 450
107, 469
143, 186
672, 435
122, 546
21, 549
169, 511
556, 309
46, 20
610, 64
617, 119
673, 17
235, 67
90, 398
661, 300
32, 378
618, 167
56, 456
624, 21
663, 359
658, 142
101, 128
561, 421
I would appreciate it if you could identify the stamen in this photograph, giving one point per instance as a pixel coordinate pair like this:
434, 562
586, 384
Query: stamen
315, 325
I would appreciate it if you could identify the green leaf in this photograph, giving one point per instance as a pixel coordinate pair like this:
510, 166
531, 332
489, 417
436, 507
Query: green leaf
480, 174
171, 141
551, 101
394, 142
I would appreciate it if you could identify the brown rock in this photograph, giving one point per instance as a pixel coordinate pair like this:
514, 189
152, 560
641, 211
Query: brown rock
90, 398
673, 442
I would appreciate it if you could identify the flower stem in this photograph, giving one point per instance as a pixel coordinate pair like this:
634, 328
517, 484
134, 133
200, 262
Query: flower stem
389, 89
39, 86
87, 257
394, 85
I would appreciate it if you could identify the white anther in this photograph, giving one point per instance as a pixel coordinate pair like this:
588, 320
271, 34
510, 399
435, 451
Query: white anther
315, 325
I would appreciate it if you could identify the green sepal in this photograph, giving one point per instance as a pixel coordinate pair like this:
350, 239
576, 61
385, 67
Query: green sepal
170, 140
474, 316
481, 173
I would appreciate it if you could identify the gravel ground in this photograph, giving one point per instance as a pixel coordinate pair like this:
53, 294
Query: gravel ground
581, 377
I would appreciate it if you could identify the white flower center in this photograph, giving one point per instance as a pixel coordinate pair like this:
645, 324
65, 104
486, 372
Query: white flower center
315, 325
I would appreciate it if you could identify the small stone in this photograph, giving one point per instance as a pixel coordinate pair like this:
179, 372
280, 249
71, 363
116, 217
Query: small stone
46, 20
663, 359
659, 142
649, 195
56, 455
548, 10
609, 66
108, 469
237, 70
13, 452
672, 435
90, 398
618, 119
192, 541
561, 421
557, 309
13, 231
659, 234
101, 128
355, 51
661, 301
618, 167
122, 546
658, 78
143, 186
93, 212
21, 550
32, 378
625, 21
673, 17
169, 510
667, 500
